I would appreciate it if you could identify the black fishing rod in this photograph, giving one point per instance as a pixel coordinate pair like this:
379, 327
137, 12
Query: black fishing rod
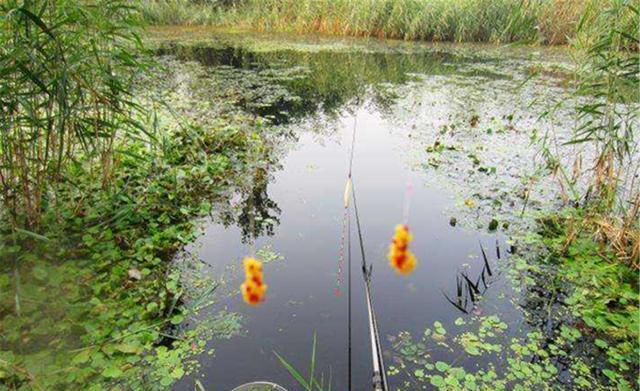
379, 379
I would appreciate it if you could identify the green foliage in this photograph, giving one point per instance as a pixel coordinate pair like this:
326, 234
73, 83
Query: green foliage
92, 302
171, 12
594, 341
610, 79
66, 69
547, 21
606, 115
530, 361
604, 297
313, 383
433, 20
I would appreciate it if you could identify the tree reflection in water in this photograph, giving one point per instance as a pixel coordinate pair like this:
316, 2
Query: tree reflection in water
258, 214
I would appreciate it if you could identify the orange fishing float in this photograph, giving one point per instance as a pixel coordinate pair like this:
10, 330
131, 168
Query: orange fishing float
400, 258
253, 289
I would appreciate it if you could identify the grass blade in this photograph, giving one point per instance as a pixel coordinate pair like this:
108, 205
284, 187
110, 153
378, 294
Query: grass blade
35, 19
486, 260
313, 360
32, 234
293, 372
458, 306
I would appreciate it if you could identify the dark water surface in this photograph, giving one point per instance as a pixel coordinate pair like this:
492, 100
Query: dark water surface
301, 297
400, 101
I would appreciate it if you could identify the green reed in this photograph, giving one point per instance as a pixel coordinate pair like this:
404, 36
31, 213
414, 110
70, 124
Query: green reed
66, 69
175, 12
498, 21
608, 94
606, 115
610, 78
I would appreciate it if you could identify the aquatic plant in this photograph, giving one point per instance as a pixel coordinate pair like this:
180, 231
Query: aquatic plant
576, 320
400, 258
603, 294
525, 364
92, 300
104, 311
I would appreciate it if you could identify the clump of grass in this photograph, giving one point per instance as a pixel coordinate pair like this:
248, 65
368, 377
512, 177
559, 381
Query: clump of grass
558, 20
313, 383
179, 12
497, 21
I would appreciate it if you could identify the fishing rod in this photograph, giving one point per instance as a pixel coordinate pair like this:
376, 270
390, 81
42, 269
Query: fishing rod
379, 378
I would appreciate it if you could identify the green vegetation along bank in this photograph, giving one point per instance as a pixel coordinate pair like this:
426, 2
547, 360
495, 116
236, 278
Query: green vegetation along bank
581, 323
101, 187
497, 21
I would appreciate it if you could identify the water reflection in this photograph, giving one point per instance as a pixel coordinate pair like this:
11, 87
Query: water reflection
293, 205
259, 214
469, 291
324, 81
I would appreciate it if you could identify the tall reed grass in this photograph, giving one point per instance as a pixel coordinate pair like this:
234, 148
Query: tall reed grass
497, 21
181, 12
608, 82
65, 71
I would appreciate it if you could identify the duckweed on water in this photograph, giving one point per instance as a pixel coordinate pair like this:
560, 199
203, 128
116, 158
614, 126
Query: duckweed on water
530, 362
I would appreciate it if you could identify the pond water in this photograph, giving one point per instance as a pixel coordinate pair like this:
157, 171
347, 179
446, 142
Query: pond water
454, 124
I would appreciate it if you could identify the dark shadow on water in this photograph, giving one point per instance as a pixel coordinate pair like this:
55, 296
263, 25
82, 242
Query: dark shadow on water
258, 214
469, 290
322, 81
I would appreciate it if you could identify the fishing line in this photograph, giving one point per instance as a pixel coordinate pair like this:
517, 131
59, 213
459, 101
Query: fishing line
252, 225
339, 277
353, 142
346, 235
347, 191
349, 302
407, 200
